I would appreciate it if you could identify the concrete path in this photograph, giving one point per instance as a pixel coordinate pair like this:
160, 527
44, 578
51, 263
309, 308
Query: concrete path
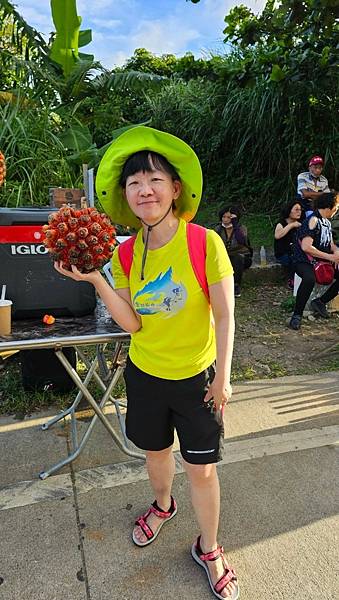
68, 537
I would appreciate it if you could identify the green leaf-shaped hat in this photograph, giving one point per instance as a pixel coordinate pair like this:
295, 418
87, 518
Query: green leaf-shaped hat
176, 151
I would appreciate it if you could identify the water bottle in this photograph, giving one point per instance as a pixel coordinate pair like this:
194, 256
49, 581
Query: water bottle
263, 259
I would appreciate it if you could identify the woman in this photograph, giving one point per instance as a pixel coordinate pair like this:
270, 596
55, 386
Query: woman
236, 242
285, 236
152, 181
315, 240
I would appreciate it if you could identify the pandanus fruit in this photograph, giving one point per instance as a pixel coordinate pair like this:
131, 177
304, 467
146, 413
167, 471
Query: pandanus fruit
2, 169
84, 238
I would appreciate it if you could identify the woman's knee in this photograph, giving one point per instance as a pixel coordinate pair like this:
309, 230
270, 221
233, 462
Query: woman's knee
158, 455
308, 279
200, 474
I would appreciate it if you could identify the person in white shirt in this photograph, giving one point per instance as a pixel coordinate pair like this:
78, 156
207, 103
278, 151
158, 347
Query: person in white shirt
311, 183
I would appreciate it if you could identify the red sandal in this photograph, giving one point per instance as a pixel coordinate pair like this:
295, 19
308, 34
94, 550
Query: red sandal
162, 514
229, 573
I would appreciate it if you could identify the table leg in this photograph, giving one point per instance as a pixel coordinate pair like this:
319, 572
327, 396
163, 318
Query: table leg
98, 414
71, 409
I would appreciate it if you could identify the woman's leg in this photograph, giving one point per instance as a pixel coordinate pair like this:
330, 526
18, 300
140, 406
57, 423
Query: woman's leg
291, 268
306, 272
161, 469
237, 261
287, 264
283, 260
247, 262
205, 495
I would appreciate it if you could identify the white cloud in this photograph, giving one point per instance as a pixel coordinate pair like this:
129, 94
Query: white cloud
38, 17
219, 8
118, 8
165, 36
118, 59
107, 24
93, 7
256, 6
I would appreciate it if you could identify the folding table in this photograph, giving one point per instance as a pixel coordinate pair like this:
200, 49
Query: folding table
97, 330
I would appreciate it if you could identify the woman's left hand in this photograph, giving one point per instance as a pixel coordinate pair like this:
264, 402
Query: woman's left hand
219, 392
75, 274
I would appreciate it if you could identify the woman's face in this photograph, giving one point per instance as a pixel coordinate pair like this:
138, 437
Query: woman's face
333, 211
150, 194
226, 218
295, 212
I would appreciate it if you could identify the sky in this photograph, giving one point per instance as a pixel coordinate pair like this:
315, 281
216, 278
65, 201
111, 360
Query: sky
162, 26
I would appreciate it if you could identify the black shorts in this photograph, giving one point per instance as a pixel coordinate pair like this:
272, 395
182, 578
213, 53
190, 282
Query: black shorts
155, 407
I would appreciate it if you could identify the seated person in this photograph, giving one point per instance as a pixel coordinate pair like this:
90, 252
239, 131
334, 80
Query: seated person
311, 183
236, 243
285, 235
315, 241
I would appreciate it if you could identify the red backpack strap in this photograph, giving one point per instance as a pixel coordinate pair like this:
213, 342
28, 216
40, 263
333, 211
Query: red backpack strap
196, 242
125, 253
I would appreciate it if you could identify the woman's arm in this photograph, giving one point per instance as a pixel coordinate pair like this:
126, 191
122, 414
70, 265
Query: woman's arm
239, 231
308, 248
118, 303
281, 231
222, 303
334, 247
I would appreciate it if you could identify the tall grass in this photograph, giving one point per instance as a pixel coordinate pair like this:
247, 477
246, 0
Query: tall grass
35, 157
252, 141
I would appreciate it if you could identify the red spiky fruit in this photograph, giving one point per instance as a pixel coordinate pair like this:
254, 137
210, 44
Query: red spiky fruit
2, 169
84, 238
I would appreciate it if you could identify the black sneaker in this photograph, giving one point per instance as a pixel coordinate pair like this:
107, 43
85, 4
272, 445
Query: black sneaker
319, 308
295, 322
237, 291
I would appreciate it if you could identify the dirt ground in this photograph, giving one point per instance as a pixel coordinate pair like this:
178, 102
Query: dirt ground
266, 347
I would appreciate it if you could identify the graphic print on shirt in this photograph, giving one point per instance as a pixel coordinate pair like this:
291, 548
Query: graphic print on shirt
325, 233
163, 295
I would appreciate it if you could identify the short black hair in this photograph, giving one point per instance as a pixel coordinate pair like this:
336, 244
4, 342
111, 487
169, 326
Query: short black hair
285, 210
325, 200
232, 208
146, 161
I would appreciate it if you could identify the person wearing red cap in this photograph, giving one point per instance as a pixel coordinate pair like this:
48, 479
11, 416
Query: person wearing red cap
311, 183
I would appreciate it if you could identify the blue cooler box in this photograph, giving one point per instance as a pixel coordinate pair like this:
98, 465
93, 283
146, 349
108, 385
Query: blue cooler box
33, 285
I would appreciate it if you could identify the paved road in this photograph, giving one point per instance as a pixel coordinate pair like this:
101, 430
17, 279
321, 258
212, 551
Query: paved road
68, 537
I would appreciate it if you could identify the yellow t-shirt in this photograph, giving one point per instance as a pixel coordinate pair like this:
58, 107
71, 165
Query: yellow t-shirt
177, 338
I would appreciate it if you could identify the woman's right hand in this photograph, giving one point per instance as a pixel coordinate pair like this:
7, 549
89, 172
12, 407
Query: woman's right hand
296, 224
75, 274
335, 258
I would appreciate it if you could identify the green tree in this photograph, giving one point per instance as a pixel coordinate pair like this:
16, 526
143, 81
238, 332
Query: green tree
19, 45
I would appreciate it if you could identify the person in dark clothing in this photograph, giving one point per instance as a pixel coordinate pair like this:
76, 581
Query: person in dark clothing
315, 239
285, 236
236, 242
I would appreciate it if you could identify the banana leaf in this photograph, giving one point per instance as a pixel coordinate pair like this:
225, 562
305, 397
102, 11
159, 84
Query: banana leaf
85, 37
77, 138
68, 38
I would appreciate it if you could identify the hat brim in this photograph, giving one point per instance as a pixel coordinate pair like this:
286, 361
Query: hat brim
176, 151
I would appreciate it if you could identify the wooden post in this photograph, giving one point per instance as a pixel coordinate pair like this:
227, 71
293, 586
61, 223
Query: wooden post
85, 177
